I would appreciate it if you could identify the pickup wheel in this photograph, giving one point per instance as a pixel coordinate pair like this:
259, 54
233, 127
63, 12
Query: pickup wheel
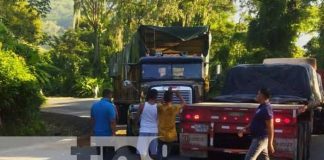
301, 142
308, 139
304, 138
318, 125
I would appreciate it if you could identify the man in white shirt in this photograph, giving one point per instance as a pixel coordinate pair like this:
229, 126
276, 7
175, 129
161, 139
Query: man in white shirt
147, 113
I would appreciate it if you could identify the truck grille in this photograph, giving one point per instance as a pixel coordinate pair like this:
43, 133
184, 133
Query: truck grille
185, 92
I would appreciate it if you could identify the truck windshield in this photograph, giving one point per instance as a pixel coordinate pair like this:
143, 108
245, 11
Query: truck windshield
171, 71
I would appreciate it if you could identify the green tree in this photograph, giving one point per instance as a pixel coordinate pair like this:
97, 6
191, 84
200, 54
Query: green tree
95, 13
277, 25
72, 57
76, 13
315, 48
22, 20
20, 97
42, 7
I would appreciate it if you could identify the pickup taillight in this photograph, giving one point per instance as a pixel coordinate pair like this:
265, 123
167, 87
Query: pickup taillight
282, 120
196, 116
192, 116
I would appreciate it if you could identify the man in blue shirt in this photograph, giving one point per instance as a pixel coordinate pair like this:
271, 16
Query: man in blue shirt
261, 128
103, 116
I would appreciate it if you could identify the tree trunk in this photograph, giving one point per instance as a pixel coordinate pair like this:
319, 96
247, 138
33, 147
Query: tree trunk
76, 14
96, 57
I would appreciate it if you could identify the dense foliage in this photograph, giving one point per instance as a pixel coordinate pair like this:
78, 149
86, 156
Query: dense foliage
23, 70
316, 45
20, 97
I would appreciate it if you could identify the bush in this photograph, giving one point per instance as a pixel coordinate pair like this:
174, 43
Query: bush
85, 86
20, 97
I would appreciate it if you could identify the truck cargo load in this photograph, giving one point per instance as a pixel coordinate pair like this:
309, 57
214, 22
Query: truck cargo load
160, 57
283, 80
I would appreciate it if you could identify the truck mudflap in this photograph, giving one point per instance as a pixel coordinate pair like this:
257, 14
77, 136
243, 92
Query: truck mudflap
196, 145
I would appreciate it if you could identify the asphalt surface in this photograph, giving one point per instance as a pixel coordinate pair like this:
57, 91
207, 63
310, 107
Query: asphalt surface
81, 107
67, 105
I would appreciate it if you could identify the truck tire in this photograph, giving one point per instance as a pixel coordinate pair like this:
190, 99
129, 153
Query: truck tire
308, 139
304, 138
318, 121
301, 141
122, 113
129, 131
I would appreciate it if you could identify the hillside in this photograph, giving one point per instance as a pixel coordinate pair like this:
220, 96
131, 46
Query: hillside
60, 18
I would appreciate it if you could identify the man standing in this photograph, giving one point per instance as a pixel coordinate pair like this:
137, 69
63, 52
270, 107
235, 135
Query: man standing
147, 113
166, 122
103, 116
261, 128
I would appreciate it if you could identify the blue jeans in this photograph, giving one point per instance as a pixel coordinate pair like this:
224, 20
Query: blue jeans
258, 149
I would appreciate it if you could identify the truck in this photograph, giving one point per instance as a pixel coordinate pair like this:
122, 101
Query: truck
318, 117
213, 126
159, 58
319, 113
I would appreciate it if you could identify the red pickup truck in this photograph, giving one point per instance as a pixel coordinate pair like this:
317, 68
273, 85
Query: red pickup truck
213, 126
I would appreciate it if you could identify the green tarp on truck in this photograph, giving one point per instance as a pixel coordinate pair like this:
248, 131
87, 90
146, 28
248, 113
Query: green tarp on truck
151, 40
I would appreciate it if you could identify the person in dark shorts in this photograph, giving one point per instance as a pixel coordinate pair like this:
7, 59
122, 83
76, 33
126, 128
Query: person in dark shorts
261, 128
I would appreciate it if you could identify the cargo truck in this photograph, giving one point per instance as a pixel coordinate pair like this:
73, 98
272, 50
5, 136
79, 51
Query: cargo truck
159, 58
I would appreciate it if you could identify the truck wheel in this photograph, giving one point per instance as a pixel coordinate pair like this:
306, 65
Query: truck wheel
304, 137
301, 142
129, 130
318, 121
122, 113
308, 139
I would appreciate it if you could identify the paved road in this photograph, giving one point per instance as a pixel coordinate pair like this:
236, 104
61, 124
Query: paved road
67, 105
317, 147
81, 107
